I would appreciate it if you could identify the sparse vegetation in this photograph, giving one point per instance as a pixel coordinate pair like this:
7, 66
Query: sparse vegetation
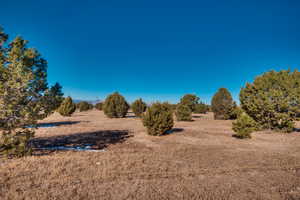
222, 104
273, 99
138, 107
115, 106
158, 119
67, 108
58, 148
183, 113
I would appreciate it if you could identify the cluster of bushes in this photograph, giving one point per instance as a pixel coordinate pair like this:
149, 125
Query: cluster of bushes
272, 102
189, 104
99, 106
201, 108
84, 106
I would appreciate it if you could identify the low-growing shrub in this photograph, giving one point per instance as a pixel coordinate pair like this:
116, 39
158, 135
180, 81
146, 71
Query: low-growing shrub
115, 106
158, 119
67, 108
183, 113
138, 107
244, 126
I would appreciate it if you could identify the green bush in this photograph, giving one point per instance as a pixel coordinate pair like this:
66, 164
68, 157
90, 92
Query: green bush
273, 99
99, 106
115, 106
201, 108
183, 113
190, 100
138, 107
16, 143
67, 108
222, 104
84, 106
244, 126
158, 119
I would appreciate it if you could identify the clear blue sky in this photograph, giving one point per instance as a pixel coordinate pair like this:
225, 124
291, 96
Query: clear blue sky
158, 49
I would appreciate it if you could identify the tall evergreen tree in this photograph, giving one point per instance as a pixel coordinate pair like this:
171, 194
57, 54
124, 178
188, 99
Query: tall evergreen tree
222, 104
23, 87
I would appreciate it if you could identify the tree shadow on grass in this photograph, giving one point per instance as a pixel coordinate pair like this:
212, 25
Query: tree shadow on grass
174, 130
90, 141
53, 124
198, 116
296, 129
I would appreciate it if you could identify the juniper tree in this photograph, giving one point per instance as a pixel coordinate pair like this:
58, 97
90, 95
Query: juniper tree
138, 107
183, 113
273, 99
158, 119
23, 94
53, 98
67, 107
222, 104
190, 100
244, 126
115, 106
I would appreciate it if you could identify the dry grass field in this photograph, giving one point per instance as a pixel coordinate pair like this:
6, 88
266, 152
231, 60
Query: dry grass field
197, 160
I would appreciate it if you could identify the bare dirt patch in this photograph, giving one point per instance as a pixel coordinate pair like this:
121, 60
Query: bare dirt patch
198, 160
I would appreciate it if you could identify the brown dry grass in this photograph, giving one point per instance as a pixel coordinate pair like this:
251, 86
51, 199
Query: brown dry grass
198, 160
